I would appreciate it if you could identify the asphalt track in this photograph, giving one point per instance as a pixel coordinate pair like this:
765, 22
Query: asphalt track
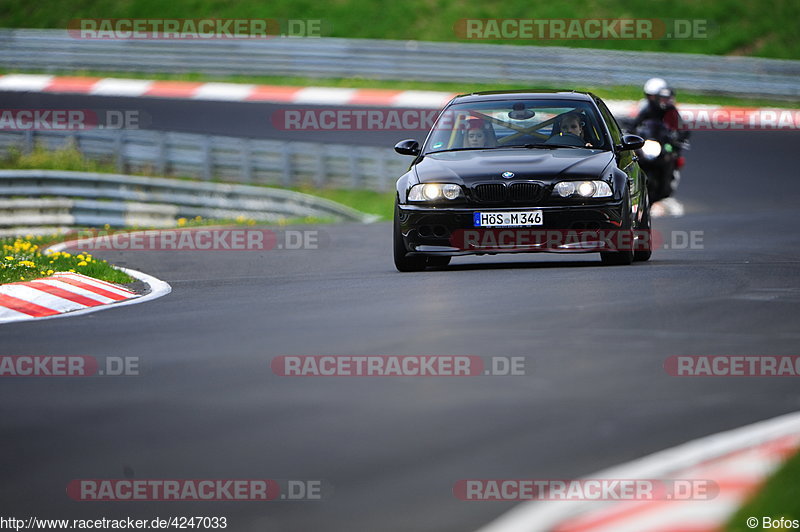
595, 338
235, 119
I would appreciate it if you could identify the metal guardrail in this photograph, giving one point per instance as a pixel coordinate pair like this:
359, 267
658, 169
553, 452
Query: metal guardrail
55, 50
229, 159
30, 198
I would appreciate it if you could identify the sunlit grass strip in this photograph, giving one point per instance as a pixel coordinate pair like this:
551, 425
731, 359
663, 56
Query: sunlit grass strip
22, 260
779, 498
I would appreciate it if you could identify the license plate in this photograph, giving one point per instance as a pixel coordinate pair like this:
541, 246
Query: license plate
507, 219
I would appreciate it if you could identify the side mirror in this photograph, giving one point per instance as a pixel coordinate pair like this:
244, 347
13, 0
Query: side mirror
408, 147
630, 142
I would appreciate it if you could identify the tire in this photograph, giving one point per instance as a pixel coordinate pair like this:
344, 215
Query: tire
402, 261
620, 258
643, 255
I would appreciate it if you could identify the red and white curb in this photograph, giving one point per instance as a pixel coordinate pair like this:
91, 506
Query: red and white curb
239, 92
236, 92
71, 294
738, 461
59, 293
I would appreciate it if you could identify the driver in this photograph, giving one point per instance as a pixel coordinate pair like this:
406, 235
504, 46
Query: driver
572, 124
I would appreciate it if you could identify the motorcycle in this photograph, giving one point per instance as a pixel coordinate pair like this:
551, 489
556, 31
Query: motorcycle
661, 158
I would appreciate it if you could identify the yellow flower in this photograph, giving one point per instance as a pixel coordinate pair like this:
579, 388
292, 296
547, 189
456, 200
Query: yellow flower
9, 258
82, 263
50, 272
181, 222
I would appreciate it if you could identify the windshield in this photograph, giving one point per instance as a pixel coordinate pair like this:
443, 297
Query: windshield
517, 124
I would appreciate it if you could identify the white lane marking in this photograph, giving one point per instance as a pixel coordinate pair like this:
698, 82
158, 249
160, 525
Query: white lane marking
24, 82
223, 91
422, 99
324, 95
121, 87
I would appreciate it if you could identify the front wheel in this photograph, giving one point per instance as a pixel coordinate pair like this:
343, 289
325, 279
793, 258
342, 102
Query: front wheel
641, 255
402, 261
624, 257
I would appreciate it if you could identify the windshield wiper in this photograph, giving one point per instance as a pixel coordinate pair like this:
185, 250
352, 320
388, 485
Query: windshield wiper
546, 146
457, 149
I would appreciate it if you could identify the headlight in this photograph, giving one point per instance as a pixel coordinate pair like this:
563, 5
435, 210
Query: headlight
565, 189
584, 189
651, 148
435, 192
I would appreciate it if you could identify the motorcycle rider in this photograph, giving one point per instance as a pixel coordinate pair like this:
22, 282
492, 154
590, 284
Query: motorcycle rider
659, 108
659, 105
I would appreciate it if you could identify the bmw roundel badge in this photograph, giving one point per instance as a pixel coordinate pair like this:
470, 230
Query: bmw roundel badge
508, 175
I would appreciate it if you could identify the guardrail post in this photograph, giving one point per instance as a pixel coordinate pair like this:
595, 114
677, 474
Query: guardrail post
355, 173
119, 150
322, 171
247, 161
382, 172
286, 162
207, 162
27, 147
161, 162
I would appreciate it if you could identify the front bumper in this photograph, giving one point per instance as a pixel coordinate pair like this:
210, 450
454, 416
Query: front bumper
449, 231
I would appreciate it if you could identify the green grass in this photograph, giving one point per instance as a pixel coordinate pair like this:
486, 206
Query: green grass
368, 201
780, 497
67, 158
766, 28
618, 92
22, 260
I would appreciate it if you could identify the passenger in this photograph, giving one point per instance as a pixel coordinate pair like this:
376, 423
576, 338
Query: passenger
477, 134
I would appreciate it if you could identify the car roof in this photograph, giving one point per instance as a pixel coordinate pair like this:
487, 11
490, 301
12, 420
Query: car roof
488, 96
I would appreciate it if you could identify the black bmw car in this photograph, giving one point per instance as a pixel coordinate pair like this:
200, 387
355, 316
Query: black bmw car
512, 172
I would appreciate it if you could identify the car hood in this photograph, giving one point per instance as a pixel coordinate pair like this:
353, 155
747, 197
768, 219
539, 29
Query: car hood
466, 167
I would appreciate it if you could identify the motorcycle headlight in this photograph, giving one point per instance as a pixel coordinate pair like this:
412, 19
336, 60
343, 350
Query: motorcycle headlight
651, 148
584, 189
435, 192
